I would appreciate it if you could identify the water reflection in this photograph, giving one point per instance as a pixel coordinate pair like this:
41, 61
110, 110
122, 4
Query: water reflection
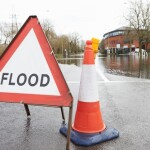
126, 65
72, 59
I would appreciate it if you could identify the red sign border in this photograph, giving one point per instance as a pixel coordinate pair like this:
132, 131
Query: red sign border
65, 97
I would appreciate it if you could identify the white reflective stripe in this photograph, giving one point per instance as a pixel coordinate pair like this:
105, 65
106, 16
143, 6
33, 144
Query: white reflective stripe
88, 91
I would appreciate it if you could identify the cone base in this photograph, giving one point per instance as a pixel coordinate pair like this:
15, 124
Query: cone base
84, 139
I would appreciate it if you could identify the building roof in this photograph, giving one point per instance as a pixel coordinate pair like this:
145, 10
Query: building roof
123, 28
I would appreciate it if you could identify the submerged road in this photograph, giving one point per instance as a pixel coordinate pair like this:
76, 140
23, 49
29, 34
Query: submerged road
125, 105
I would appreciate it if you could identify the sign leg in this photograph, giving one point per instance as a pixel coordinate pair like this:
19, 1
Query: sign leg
63, 116
69, 127
27, 109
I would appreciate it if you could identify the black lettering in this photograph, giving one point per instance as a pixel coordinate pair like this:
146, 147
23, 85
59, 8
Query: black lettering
24, 79
36, 79
3, 77
42, 80
10, 80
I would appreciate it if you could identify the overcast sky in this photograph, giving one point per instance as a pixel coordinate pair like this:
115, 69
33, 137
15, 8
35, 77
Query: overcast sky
88, 18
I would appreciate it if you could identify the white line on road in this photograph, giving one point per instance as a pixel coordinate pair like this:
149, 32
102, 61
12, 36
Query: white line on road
102, 75
99, 68
77, 82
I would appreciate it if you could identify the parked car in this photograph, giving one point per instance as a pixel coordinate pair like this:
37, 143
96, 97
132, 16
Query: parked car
137, 50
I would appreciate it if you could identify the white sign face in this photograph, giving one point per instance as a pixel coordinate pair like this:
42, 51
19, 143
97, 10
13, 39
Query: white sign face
27, 71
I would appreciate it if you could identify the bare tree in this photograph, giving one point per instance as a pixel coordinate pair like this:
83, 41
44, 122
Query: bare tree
7, 32
48, 28
138, 19
146, 24
101, 46
49, 31
129, 36
63, 42
75, 43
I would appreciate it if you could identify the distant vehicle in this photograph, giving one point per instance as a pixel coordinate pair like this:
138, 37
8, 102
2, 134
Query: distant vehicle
122, 50
137, 50
108, 51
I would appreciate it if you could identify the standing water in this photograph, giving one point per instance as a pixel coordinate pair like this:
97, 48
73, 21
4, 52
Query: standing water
125, 65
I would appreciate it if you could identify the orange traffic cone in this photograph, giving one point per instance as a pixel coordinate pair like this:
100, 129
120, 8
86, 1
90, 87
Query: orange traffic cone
88, 117
93, 44
88, 128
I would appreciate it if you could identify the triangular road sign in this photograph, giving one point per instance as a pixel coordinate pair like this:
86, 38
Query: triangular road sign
29, 72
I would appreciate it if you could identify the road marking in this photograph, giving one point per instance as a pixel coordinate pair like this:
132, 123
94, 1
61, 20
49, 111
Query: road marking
102, 75
99, 69
99, 82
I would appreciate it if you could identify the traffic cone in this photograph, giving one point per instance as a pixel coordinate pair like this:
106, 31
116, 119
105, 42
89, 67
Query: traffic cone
93, 44
88, 117
88, 128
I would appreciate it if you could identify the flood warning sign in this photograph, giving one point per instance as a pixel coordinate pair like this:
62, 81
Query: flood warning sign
29, 72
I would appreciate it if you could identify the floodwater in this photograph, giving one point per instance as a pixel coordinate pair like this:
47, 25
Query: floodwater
125, 65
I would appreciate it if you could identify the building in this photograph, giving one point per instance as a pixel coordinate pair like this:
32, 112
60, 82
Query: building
122, 40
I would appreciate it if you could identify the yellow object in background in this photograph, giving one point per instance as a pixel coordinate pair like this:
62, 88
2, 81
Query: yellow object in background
95, 43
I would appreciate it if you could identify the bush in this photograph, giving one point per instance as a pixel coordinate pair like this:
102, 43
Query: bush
2, 48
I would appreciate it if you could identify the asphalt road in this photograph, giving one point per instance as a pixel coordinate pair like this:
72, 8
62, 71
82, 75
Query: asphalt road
125, 105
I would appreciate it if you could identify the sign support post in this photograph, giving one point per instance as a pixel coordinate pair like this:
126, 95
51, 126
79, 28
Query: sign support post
69, 126
62, 113
27, 110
